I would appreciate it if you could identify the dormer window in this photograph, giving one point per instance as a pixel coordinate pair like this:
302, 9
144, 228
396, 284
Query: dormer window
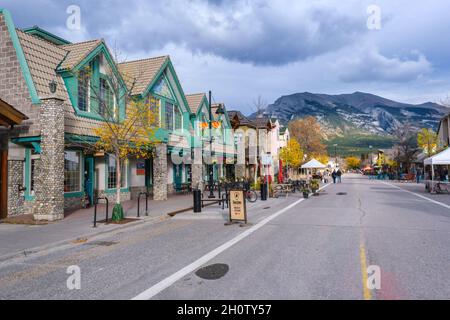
173, 117
84, 83
107, 105
169, 116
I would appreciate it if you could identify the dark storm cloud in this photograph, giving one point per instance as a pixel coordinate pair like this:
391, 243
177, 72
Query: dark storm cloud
256, 32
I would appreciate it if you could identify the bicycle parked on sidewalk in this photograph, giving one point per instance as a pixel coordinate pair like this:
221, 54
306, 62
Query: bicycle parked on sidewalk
251, 196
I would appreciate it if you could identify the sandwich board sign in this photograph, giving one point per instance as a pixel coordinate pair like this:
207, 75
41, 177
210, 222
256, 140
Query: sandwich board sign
238, 207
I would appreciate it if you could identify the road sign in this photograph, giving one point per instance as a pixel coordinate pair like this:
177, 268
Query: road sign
238, 207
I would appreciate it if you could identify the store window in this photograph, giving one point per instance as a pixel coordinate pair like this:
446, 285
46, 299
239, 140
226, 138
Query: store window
72, 171
112, 173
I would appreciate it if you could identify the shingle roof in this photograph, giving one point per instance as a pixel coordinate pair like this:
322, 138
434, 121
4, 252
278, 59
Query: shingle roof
261, 122
77, 52
141, 72
43, 58
243, 120
194, 101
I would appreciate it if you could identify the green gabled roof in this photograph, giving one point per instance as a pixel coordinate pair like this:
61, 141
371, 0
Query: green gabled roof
44, 34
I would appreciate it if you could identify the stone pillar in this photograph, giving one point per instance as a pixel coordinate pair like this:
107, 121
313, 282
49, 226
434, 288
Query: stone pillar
16, 163
49, 183
15, 181
160, 173
197, 170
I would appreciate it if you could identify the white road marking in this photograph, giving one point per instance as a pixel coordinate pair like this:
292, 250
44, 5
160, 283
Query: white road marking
418, 195
167, 282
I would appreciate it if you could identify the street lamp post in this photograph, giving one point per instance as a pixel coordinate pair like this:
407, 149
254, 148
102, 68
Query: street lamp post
211, 166
220, 111
370, 155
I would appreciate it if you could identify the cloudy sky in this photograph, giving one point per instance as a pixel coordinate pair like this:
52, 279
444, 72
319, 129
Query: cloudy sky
242, 49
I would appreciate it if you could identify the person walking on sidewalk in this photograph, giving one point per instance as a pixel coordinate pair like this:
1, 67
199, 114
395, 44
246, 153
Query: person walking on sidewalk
339, 176
333, 175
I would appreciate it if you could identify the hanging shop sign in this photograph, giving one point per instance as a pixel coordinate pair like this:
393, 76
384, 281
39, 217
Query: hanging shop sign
140, 168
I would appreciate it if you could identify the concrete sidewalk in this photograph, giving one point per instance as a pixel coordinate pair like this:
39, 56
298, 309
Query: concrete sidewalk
419, 188
24, 239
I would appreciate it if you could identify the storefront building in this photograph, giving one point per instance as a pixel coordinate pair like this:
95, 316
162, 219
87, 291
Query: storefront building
52, 166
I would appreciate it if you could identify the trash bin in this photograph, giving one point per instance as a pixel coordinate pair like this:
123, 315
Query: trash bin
263, 192
197, 201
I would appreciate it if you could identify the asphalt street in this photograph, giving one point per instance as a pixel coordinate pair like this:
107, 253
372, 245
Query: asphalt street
320, 248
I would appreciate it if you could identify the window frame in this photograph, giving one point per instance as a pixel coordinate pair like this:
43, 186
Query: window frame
85, 75
81, 169
104, 79
125, 174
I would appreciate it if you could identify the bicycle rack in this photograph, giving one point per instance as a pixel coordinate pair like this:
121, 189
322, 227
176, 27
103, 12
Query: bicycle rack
146, 194
95, 209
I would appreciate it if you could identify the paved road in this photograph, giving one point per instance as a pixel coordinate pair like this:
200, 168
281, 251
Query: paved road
314, 249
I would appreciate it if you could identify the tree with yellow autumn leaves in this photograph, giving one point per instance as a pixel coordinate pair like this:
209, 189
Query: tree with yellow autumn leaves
427, 141
122, 136
292, 154
353, 162
134, 136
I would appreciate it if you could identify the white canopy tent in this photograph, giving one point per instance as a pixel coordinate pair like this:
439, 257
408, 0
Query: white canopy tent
440, 159
314, 164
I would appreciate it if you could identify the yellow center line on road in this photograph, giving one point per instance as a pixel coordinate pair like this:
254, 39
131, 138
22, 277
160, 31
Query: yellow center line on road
363, 259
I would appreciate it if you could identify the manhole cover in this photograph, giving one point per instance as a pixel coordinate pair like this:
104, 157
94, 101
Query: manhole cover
342, 193
101, 243
213, 272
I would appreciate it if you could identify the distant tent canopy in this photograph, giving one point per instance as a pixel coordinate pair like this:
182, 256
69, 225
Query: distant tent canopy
442, 158
314, 164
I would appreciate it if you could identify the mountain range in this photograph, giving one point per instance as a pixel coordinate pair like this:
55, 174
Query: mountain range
356, 113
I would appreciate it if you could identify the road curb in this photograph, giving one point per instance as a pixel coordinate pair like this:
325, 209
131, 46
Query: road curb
73, 241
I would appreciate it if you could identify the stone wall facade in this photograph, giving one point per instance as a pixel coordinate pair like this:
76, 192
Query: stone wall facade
135, 191
111, 196
15, 181
73, 203
160, 173
49, 181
